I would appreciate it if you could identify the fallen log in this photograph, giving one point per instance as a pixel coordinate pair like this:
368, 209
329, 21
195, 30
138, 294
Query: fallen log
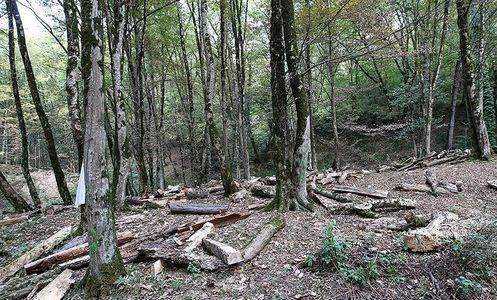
197, 208
215, 189
428, 238
335, 196
261, 240
69, 254
239, 196
360, 191
157, 267
257, 206
264, 191
21, 287
217, 221
196, 239
196, 193
369, 209
224, 252
38, 250
56, 289
13, 220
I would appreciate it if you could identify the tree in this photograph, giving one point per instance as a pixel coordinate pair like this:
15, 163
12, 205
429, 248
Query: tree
20, 115
40, 111
302, 135
475, 103
72, 74
16, 200
279, 105
106, 263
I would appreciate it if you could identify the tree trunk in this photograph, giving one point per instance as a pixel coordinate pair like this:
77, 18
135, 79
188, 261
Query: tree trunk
20, 116
475, 104
16, 200
72, 33
35, 95
313, 164
279, 105
106, 263
495, 93
456, 86
189, 88
302, 136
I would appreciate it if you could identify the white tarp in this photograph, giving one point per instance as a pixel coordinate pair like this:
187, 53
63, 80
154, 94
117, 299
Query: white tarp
81, 190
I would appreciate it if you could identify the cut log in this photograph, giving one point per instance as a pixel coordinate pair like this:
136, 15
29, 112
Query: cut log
215, 189
369, 209
196, 193
69, 254
218, 221
431, 181
239, 196
342, 198
38, 250
360, 191
261, 240
264, 191
416, 221
21, 287
343, 177
428, 238
385, 223
492, 184
197, 208
196, 239
56, 289
224, 252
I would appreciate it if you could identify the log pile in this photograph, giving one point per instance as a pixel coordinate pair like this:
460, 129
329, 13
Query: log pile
432, 186
433, 159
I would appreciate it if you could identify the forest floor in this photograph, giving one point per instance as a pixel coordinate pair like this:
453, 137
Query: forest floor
378, 266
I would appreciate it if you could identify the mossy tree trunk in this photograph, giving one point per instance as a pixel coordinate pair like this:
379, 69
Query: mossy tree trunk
20, 115
106, 263
121, 140
72, 74
474, 103
16, 200
301, 150
40, 111
279, 105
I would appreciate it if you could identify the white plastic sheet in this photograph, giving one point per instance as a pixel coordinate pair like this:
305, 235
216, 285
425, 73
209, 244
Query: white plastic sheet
81, 189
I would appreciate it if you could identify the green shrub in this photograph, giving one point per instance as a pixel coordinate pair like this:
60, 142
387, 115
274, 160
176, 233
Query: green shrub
333, 252
467, 287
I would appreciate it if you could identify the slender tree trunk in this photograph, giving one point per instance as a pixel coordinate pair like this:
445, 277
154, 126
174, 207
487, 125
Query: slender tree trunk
20, 116
433, 75
279, 105
121, 140
45, 124
211, 131
70, 12
456, 86
302, 136
106, 263
334, 127
475, 104
495, 93
16, 200
189, 89
313, 164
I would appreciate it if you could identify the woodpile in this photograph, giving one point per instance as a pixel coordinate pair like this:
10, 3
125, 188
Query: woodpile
433, 159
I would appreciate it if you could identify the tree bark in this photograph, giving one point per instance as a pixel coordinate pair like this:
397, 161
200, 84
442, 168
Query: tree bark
106, 263
456, 86
302, 136
35, 95
72, 74
20, 116
495, 93
16, 200
279, 105
475, 103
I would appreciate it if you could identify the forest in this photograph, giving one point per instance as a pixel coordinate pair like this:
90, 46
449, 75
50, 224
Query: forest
248, 149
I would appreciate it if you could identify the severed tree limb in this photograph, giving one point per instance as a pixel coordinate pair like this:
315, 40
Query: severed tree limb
360, 191
35, 252
342, 198
197, 208
370, 209
262, 239
224, 252
56, 289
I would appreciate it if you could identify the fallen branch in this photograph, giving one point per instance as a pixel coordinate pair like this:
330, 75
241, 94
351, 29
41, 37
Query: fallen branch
360, 191
264, 191
197, 208
335, 196
196, 239
217, 221
261, 240
369, 209
196, 193
56, 289
69, 254
35, 252
406, 187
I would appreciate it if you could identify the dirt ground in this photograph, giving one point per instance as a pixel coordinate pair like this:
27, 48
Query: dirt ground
280, 270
